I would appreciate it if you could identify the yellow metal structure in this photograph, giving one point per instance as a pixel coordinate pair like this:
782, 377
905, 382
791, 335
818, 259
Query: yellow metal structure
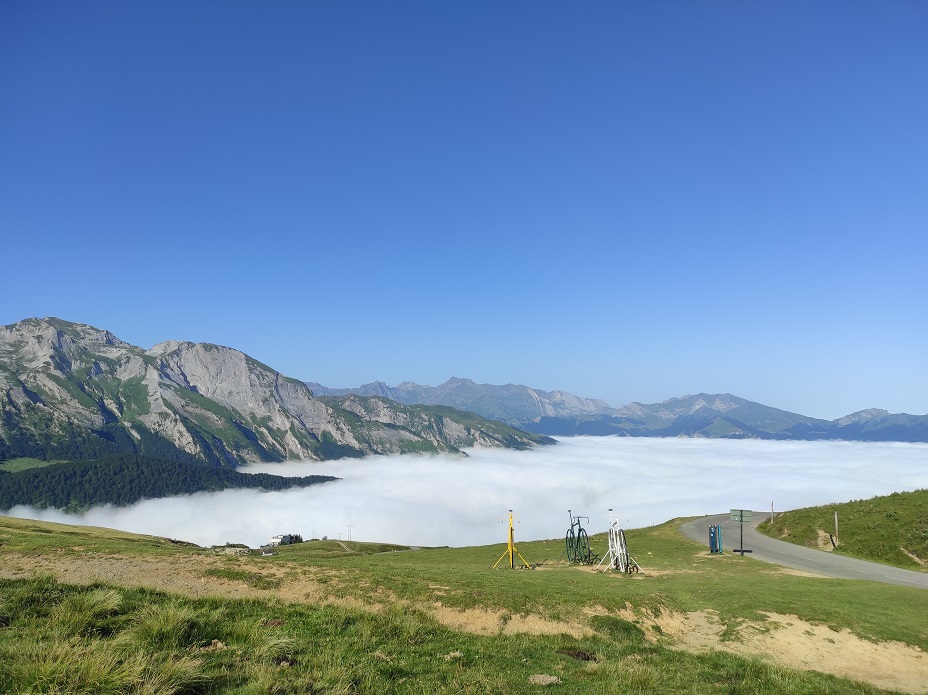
511, 550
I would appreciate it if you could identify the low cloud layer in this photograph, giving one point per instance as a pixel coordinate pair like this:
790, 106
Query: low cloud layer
460, 501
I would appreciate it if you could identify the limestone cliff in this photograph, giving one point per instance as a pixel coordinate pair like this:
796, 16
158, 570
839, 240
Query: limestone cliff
73, 391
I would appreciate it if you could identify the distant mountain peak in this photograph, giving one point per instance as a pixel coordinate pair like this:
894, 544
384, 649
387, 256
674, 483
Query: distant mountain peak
51, 326
862, 416
510, 403
687, 405
168, 346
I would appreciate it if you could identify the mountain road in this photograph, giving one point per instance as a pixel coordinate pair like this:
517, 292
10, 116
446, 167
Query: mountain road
796, 556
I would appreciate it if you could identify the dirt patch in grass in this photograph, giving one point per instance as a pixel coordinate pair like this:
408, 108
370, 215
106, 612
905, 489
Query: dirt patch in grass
798, 573
191, 575
479, 621
792, 642
439, 590
184, 576
649, 573
823, 541
797, 644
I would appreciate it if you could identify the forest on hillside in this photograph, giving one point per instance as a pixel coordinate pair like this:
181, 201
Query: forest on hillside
122, 480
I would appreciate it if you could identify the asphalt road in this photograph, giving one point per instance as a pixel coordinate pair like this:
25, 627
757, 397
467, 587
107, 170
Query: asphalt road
796, 556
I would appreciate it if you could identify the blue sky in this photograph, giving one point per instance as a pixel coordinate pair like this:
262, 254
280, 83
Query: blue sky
629, 201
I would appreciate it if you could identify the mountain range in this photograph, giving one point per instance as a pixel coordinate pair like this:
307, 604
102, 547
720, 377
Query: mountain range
75, 392
556, 413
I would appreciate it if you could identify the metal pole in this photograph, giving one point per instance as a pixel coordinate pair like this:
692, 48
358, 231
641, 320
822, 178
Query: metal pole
511, 542
836, 527
742, 539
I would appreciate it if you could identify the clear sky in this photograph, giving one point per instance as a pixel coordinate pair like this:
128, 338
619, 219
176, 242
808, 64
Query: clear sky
623, 200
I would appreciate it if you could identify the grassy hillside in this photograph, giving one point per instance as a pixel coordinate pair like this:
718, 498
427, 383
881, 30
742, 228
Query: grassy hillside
892, 529
141, 614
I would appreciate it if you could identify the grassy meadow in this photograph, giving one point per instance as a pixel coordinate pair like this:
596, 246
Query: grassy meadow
24, 464
333, 617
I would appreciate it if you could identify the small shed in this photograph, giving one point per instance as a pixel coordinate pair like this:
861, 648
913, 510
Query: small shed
286, 539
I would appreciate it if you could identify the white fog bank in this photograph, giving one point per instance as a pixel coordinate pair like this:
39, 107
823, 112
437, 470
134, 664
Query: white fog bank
458, 501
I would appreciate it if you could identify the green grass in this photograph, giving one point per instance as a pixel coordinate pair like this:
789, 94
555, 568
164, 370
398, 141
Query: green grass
134, 391
253, 579
37, 537
737, 588
888, 529
24, 463
60, 638
310, 552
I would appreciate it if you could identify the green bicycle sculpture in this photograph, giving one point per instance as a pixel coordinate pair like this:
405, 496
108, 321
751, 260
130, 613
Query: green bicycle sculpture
578, 542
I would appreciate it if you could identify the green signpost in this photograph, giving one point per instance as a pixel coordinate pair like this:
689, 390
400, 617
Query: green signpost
741, 515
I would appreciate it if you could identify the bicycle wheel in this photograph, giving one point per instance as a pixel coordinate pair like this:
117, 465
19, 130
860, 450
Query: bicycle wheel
583, 547
571, 543
614, 547
623, 549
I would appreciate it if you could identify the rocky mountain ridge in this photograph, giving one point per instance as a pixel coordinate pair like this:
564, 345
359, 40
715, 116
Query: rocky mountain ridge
557, 413
727, 416
510, 403
72, 391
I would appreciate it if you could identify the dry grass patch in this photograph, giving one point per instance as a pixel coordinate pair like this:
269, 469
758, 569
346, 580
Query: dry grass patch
189, 576
482, 621
789, 641
797, 573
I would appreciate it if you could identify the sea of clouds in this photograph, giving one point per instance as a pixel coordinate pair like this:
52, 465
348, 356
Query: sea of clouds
458, 501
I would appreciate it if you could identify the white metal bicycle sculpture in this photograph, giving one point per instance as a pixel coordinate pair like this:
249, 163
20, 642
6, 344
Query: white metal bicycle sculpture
618, 557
